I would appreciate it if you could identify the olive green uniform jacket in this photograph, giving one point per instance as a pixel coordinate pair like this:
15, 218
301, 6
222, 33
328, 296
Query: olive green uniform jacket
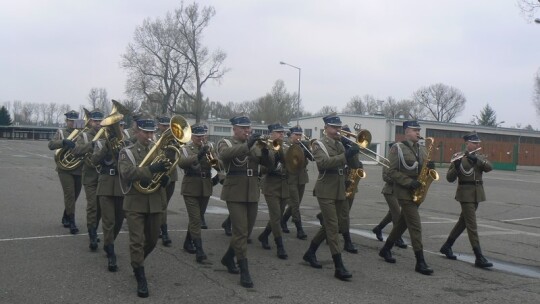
56, 143
404, 173
197, 180
469, 175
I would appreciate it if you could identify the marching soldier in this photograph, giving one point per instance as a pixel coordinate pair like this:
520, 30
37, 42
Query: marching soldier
241, 160
90, 177
331, 158
406, 160
143, 210
468, 171
164, 124
196, 188
110, 195
69, 179
393, 207
275, 189
297, 184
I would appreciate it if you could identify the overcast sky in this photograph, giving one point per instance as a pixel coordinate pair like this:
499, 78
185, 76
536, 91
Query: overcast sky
56, 51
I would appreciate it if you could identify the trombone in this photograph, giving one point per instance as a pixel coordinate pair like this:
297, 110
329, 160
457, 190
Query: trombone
363, 139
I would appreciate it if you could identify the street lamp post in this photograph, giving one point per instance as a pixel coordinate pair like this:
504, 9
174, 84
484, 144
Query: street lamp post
299, 77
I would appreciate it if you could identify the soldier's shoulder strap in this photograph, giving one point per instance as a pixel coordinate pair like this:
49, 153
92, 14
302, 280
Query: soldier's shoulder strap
61, 132
322, 146
129, 154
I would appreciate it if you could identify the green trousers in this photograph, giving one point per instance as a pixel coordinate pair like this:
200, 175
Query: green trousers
194, 205
467, 219
143, 235
296, 193
333, 212
93, 213
71, 186
408, 219
275, 206
169, 191
393, 211
112, 217
243, 216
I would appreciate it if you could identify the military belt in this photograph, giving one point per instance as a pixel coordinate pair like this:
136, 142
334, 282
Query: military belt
108, 171
202, 174
475, 182
248, 172
339, 171
277, 174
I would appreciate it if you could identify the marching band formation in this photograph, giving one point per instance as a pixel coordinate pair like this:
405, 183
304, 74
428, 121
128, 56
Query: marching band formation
131, 174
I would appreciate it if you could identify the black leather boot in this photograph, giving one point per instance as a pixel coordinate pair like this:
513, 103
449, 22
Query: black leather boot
111, 258
142, 285
165, 240
72, 227
226, 225
245, 277
300, 234
320, 218
263, 238
228, 261
92, 234
65, 220
348, 245
284, 220
281, 253
310, 256
199, 254
481, 261
446, 249
421, 265
386, 253
203, 222
188, 244
340, 273
378, 233
401, 243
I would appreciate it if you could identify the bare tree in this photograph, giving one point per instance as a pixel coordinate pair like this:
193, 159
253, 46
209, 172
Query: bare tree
536, 92
103, 101
192, 21
327, 110
17, 108
443, 103
52, 109
278, 105
529, 8
155, 67
93, 98
27, 112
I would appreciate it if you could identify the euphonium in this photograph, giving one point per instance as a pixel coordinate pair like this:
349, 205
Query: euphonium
179, 132
64, 158
426, 175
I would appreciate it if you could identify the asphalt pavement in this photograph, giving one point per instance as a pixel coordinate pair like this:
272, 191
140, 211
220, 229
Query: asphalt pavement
40, 262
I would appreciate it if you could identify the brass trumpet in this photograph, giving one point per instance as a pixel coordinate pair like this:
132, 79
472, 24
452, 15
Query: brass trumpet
180, 131
214, 162
363, 139
265, 141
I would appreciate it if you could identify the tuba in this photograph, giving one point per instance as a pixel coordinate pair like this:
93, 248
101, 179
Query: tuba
179, 132
64, 158
111, 126
426, 175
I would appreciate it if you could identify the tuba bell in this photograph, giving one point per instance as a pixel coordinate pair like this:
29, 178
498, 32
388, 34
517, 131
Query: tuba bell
64, 157
179, 132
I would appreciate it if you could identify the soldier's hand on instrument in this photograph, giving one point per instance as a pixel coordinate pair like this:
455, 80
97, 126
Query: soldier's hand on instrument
161, 166
252, 139
202, 153
164, 181
431, 165
66, 143
473, 158
352, 151
457, 163
265, 151
361, 166
415, 185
